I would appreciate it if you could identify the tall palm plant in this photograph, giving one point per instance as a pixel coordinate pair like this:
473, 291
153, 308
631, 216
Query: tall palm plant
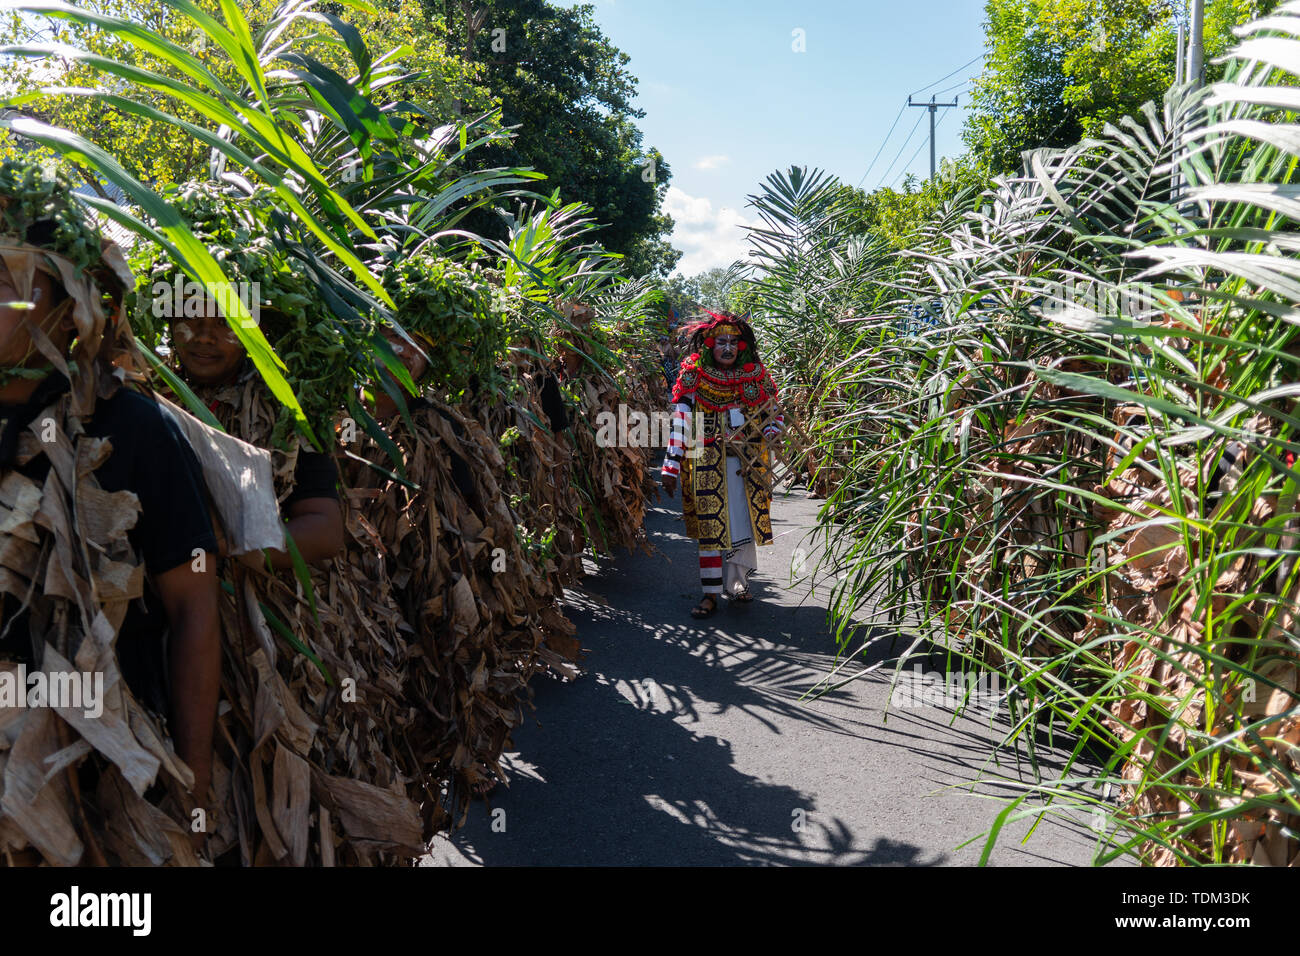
1083, 476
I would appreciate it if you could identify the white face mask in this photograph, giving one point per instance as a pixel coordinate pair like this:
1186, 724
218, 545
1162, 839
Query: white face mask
726, 348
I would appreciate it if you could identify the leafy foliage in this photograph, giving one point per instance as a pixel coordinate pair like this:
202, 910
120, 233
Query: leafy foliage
895, 217
322, 351
1058, 70
451, 307
163, 153
1081, 474
38, 196
568, 88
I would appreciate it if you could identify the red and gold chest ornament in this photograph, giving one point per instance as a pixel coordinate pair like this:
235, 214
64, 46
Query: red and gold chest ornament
746, 384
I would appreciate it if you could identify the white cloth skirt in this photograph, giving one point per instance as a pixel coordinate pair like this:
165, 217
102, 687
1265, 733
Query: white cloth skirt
741, 560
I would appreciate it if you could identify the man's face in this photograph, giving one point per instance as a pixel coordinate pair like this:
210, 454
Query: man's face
16, 346
725, 350
207, 348
415, 363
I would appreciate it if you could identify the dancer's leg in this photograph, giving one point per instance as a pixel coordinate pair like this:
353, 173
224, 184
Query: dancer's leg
711, 571
710, 581
740, 563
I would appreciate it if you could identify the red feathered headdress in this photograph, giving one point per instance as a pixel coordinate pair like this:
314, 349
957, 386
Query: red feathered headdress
748, 384
716, 319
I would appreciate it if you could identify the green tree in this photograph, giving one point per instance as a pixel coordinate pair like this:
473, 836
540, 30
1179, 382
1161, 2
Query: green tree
715, 287
161, 153
679, 288
894, 215
568, 88
1059, 70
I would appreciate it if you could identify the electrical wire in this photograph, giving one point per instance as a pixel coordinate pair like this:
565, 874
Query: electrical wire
920, 116
883, 144
953, 87
893, 126
953, 73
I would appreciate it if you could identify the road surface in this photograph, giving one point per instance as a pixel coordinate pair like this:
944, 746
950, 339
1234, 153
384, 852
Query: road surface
687, 742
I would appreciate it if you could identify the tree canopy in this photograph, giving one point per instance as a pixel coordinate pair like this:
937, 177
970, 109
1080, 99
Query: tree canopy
557, 78
1058, 70
161, 153
570, 92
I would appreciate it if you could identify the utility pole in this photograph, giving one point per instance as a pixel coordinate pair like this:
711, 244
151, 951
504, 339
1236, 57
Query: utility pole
1196, 44
932, 106
1180, 58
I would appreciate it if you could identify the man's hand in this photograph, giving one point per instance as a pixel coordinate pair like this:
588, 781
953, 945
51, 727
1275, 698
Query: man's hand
670, 484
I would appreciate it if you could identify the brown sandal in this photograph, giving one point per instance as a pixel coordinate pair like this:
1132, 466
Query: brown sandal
699, 612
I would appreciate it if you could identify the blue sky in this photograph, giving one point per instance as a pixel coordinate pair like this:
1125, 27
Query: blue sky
728, 100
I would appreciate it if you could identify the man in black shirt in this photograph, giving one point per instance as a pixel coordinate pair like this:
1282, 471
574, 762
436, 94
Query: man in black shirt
173, 534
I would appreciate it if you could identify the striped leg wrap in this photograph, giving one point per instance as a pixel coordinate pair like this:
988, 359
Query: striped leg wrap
711, 571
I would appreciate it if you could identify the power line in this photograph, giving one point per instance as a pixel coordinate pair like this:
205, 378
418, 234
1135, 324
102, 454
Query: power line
893, 126
953, 73
903, 172
901, 148
947, 89
883, 144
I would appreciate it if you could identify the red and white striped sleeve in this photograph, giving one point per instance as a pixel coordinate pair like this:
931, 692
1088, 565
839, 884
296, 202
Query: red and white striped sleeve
775, 426
678, 438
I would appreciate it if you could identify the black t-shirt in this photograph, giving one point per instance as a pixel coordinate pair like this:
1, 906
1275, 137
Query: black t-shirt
152, 458
314, 476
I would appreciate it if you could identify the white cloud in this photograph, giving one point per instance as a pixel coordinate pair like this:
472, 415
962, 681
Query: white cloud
712, 162
708, 238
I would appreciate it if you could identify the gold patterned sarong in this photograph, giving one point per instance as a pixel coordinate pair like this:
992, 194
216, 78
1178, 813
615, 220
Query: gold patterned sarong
704, 483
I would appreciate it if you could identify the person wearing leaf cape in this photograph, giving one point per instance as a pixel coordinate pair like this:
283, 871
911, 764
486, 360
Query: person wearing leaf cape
107, 558
480, 599
724, 413
315, 661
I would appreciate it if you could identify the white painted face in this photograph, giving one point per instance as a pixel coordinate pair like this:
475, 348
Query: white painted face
725, 350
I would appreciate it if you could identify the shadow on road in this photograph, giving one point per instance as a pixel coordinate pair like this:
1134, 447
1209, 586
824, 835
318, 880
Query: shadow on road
679, 743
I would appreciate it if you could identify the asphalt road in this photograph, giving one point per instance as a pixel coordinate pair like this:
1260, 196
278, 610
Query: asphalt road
687, 742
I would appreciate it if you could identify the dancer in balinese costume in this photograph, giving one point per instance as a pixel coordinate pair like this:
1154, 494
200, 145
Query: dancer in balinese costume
725, 412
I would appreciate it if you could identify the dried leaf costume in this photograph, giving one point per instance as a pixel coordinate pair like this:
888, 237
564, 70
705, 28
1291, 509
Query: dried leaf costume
721, 420
334, 758
313, 766
612, 475
74, 789
481, 597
